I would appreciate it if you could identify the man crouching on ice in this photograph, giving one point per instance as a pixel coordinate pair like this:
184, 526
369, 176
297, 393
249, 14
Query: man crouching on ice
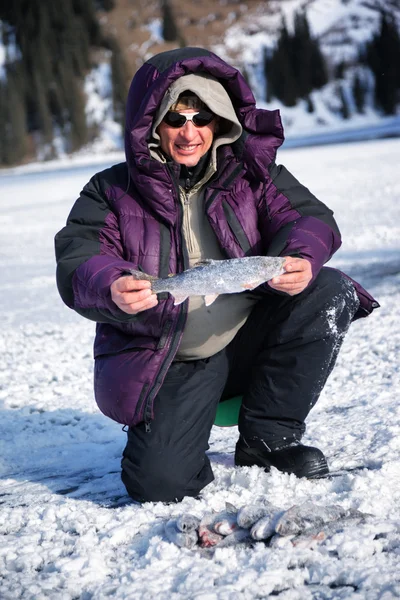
200, 182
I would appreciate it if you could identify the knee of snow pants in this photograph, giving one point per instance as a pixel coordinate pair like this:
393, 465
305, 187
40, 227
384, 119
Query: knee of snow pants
161, 474
169, 461
302, 337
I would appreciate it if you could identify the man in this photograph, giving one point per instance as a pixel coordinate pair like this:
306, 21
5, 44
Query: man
200, 182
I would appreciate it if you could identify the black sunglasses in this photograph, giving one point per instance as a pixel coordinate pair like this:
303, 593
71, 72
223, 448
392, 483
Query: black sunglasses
199, 119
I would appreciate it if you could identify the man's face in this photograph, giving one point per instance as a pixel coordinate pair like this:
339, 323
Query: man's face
186, 144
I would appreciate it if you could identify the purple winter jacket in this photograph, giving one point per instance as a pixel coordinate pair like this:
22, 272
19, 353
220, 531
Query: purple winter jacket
129, 216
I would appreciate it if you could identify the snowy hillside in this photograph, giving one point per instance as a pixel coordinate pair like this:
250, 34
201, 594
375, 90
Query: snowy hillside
68, 529
240, 33
342, 27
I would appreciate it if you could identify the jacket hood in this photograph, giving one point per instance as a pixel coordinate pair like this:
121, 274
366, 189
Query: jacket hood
212, 93
158, 75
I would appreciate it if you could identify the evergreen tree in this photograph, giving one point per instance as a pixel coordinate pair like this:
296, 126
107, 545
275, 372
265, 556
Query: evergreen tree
344, 105
278, 69
170, 31
13, 141
310, 105
318, 71
339, 70
42, 113
119, 77
383, 54
75, 124
296, 65
300, 49
106, 5
86, 13
359, 93
54, 42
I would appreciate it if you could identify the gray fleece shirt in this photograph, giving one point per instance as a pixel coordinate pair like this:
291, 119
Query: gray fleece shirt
208, 329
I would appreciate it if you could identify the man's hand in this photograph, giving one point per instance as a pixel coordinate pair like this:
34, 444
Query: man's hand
133, 295
296, 278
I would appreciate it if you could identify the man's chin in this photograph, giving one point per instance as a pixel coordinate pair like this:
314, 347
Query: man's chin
188, 161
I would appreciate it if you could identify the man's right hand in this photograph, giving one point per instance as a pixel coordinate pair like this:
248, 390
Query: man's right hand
133, 295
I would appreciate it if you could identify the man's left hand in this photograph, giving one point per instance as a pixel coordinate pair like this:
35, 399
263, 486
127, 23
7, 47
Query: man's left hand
296, 278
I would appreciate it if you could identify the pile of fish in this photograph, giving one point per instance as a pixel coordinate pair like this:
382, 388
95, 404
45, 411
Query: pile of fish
305, 525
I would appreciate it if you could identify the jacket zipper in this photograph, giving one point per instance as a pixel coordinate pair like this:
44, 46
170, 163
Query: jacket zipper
183, 313
175, 338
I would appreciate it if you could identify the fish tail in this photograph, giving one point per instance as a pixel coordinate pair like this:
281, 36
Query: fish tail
138, 274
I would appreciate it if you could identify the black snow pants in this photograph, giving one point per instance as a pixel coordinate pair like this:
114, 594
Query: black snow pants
279, 361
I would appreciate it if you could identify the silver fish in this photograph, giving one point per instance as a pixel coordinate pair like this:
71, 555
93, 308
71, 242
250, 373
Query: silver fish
182, 539
309, 538
210, 278
264, 528
225, 523
309, 515
187, 523
207, 536
249, 514
239, 536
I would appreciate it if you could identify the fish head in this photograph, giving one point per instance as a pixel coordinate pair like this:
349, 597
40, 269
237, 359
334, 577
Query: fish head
260, 269
271, 266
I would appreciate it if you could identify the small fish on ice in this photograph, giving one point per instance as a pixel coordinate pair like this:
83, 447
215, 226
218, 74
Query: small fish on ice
302, 526
210, 278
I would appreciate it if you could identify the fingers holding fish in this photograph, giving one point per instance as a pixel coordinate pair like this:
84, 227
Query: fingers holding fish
133, 296
297, 276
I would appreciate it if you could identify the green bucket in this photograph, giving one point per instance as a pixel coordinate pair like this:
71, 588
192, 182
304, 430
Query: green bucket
228, 412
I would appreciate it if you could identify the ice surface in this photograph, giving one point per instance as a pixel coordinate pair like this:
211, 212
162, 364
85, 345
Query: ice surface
68, 529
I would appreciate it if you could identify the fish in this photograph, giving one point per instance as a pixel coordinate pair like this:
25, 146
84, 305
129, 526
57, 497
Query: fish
207, 536
302, 526
249, 514
239, 536
210, 278
187, 522
264, 528
187, 539
313, 536
215, 526
302, 516
225, 523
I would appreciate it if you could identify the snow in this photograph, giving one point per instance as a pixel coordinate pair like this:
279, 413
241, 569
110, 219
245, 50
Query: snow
8, 53
155, 29
99, 110
68, 528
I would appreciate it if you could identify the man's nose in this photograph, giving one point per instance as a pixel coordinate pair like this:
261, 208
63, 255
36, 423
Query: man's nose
188, 131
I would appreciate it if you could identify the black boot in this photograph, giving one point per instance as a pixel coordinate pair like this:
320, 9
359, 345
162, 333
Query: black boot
302, 461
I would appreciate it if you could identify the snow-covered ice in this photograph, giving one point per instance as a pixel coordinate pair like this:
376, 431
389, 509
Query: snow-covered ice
68, 529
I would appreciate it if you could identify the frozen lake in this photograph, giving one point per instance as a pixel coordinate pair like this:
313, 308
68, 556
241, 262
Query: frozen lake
68, 529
